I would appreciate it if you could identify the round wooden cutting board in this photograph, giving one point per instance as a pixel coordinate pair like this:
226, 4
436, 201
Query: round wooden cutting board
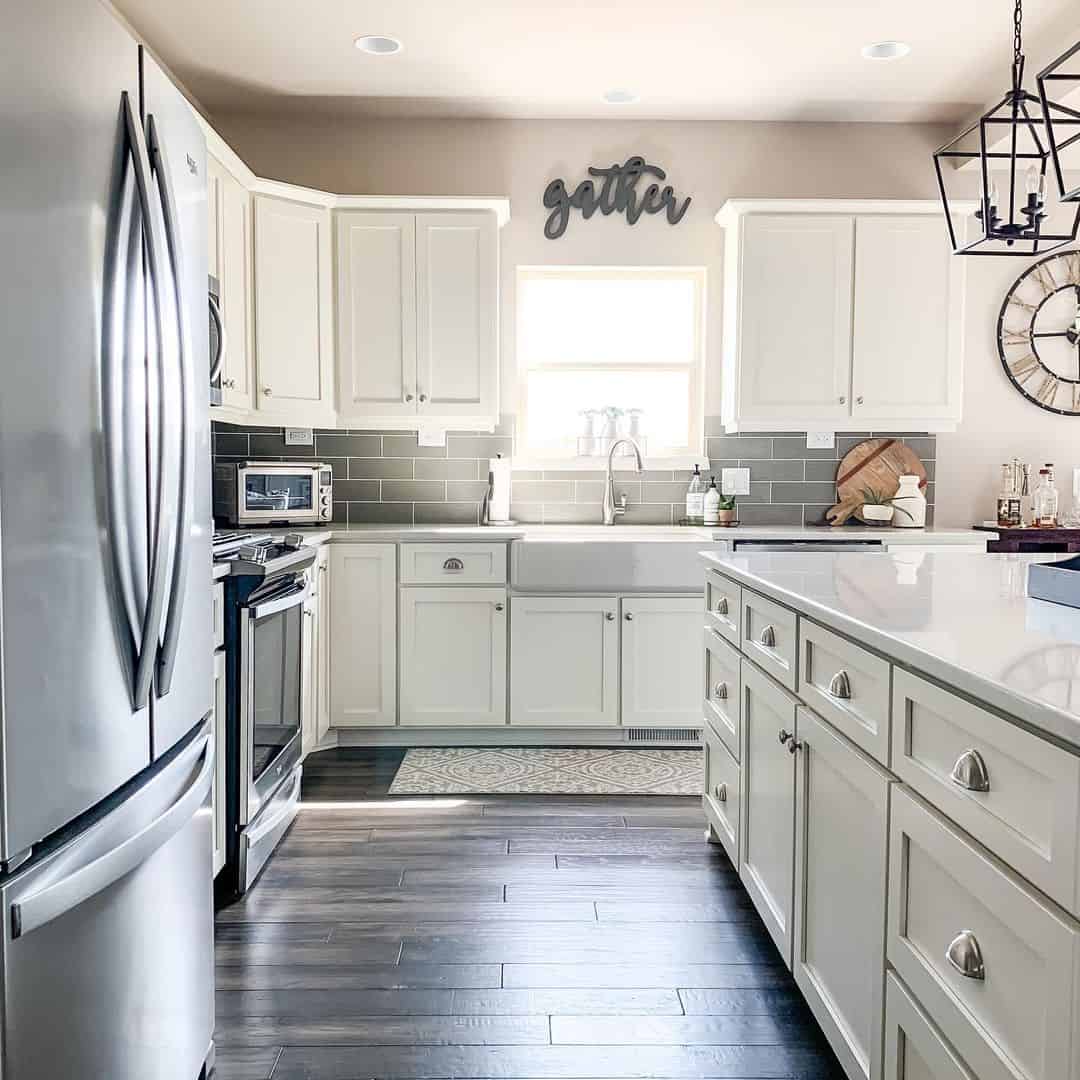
877, 465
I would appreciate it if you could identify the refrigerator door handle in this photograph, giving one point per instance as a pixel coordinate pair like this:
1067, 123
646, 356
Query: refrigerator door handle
219, 353
36, 908
147, 645
185, 480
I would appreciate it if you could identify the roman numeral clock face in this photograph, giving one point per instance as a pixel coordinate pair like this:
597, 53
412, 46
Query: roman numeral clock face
1039, 333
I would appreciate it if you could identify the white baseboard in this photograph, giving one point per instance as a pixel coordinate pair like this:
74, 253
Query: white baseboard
492, 737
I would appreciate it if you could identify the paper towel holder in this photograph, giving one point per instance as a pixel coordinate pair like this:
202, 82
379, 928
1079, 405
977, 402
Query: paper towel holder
485, 505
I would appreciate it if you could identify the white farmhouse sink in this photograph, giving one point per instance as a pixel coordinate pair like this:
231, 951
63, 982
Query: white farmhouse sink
617, 558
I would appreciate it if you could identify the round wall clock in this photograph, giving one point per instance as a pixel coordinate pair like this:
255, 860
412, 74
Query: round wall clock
1039, 333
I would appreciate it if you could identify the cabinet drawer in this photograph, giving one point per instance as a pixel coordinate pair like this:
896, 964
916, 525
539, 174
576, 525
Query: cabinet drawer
219, 615
453, 564
723, 602
914, 1048
768, 636
1010, 789
994, 966
723, 690
722, 793
847, 685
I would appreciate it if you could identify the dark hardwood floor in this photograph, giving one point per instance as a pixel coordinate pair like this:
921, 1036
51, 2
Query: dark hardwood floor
500, 937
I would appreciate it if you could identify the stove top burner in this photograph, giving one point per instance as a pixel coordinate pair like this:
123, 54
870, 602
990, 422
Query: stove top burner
262, 555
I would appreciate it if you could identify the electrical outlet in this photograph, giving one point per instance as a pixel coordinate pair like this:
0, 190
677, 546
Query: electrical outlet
430, 436
299, 436
820, 440
735, 481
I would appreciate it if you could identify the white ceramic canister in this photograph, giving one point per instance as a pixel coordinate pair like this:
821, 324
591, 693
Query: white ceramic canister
910, 504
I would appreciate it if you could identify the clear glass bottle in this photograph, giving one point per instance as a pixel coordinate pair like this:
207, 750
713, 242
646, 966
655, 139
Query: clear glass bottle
1045, 501
1008, 502
695, 498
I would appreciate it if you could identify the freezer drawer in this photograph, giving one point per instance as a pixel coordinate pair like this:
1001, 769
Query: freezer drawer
108, 942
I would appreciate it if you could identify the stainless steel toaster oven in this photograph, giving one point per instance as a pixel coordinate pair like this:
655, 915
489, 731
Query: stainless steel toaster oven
273, 493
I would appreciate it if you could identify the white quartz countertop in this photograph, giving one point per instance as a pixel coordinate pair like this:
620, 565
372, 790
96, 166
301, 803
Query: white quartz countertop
963, 619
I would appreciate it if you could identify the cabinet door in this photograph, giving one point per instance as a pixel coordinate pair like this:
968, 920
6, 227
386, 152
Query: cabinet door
794, 319
217, 792
293, 327
767, 840
215, 173
564, 661
363, 634
457, 320
661, 661
308, 675
322, 658
453, 656
907, 352
376, 314
236, 293
841, 835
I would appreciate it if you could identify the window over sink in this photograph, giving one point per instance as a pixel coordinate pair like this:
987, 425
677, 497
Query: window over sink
603, 350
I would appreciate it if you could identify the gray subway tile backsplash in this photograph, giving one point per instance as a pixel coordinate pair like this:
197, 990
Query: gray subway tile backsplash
387, 478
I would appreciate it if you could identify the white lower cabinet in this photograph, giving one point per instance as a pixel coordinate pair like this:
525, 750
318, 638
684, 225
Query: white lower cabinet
453, 656
363, 635
767, 818
841, 837
217, 791
661, 661
564, 661
914, 1048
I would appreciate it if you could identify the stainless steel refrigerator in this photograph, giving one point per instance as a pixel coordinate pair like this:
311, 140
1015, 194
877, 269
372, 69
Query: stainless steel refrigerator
106, 967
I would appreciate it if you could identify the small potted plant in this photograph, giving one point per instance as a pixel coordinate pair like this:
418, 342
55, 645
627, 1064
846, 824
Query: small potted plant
725, 512
878, 508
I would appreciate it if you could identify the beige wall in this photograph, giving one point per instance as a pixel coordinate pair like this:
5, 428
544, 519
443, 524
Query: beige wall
710, 162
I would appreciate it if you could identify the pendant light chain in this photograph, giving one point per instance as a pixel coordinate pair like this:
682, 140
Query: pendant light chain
1018, 19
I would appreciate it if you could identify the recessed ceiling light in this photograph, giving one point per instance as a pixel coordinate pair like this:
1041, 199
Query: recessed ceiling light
886, 50
378, 45
620, 97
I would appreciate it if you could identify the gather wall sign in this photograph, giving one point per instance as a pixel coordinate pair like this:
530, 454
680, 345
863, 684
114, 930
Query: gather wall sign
617, 194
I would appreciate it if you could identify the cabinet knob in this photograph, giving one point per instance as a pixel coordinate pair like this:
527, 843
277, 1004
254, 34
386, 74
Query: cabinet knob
498, 607
970, 771
423, 398
840, 686
408, 397
720, 691
609, 615
794, 746
768, 638
843, 400
965, 956
267, 392
722, 606
858, 400
784, 736
629, 616
720, 791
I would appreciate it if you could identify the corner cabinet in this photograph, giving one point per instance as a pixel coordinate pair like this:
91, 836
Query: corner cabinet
840, 315
294, 348
417, 317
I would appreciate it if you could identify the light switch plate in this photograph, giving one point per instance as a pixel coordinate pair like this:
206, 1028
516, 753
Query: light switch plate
299, 436
735, 481
820, 440
431, 436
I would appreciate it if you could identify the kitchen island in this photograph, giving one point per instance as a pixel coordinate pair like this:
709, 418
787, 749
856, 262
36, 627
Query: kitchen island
893, 766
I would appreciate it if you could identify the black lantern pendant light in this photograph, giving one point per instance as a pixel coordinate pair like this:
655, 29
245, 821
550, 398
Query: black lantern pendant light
1062, 122
1011, 148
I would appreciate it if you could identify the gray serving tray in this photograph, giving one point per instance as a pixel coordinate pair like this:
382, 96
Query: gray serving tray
1058, 582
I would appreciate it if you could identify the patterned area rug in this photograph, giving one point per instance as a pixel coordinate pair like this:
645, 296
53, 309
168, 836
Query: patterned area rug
546, 771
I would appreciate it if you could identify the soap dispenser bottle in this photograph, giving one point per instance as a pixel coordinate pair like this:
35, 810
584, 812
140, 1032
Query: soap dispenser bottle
695, 498
712, 504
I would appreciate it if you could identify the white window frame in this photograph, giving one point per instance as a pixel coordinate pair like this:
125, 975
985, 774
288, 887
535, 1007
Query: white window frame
674, 457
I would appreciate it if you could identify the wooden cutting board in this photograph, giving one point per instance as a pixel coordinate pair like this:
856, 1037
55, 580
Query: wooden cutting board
875, 464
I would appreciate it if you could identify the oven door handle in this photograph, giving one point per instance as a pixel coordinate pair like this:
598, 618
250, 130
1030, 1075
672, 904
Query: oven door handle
287, 807
298, 594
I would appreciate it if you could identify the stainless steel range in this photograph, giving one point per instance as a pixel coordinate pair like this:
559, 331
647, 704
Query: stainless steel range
268, 582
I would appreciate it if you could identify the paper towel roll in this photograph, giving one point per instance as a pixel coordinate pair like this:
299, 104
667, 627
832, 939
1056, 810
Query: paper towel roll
499, 479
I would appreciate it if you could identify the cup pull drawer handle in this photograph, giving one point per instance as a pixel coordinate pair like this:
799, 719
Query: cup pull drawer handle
965, 956
768, 638
453, 565
720, 691
722, 606
970, 772
840, 686
720, 791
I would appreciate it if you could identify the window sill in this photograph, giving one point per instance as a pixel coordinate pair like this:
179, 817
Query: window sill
599, 463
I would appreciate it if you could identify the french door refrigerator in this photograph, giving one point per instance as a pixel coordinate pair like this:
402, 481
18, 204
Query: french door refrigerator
106, 951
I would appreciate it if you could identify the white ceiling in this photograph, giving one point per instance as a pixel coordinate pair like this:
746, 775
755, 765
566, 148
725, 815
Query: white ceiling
688, 59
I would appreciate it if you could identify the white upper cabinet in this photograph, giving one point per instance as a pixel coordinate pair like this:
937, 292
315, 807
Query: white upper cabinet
417, 317
840, 314
294, 361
